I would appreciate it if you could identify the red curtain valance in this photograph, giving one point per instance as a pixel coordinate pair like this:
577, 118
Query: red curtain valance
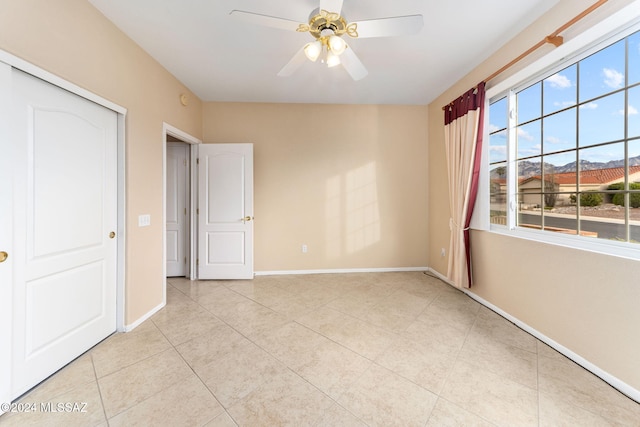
471, 100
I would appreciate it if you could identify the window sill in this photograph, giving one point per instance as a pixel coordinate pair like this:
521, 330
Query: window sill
589, 244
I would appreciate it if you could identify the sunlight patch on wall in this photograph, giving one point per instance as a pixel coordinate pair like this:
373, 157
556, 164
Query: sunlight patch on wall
352, 211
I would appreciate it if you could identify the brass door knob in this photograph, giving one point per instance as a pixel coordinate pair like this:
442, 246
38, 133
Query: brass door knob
112, 235
3, 256
247, 218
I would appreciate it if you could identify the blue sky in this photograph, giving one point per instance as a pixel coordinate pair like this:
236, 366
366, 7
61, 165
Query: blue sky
600, 120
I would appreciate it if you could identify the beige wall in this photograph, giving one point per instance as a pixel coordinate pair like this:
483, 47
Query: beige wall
584, 301
348, 181
74, 41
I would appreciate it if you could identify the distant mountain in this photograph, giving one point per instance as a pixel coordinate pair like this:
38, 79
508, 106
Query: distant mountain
528, 169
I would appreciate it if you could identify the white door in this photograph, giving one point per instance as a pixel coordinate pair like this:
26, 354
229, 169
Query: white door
62, 249
177, 201
225, 211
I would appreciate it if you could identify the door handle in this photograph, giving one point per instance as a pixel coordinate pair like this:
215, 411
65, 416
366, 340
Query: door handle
247, 218
3, 256
112, 235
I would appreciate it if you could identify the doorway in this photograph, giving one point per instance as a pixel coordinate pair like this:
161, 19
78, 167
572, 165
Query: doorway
179, 157
176, 213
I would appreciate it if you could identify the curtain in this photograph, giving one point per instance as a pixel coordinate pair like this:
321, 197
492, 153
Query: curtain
463, 124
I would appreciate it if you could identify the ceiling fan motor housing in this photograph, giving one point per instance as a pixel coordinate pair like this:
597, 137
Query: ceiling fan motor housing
321, 20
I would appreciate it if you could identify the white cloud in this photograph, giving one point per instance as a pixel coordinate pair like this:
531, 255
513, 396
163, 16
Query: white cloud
564, 104
612, 78
522, 134
553, 140
558, 81
631, 111
500, 149
589, 106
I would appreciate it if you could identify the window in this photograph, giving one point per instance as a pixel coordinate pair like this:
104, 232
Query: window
564, 148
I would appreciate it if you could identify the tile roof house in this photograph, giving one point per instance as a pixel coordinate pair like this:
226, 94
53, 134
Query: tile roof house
567, 184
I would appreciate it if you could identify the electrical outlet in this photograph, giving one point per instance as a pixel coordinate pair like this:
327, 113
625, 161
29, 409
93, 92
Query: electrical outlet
304, 249
443, 252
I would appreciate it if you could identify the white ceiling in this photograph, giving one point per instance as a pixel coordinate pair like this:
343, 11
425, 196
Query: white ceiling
221, 58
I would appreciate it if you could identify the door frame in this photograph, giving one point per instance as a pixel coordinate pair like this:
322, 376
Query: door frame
192, 142
8, 61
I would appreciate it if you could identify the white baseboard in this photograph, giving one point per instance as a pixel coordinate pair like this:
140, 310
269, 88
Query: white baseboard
340, 271
613, 381
441, 277
130, 327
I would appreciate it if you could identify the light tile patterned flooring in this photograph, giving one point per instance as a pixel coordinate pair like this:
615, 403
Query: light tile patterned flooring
379, 349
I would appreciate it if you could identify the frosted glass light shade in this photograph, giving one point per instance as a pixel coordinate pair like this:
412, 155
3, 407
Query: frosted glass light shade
313, 50
332, 59
337, 45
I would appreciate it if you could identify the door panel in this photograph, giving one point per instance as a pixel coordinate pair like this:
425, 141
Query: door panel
226, 247
176, 209
64, 209
83, 283
225, 185
55, 205
225, 200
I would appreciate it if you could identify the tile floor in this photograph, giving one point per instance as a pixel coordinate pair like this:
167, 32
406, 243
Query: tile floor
378, 349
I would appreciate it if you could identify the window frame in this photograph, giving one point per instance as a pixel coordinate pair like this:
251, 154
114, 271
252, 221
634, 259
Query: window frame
607, 32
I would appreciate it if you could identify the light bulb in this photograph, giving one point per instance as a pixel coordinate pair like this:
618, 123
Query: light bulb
332, 59
337, 45
313, 50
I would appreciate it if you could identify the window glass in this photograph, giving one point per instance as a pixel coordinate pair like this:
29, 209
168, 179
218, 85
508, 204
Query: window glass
529, 211
529, 184
633, 112
498, 193
601, 167
560, 131
634, 58
529, 103
563, 221
601, 120
498, 147
602, 72
498, 115
633, 153
607, 224
602, 158
560, 90
529, 139
560, 179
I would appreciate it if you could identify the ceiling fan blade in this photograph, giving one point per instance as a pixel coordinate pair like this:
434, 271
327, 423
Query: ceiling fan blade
298, 59
331, 6
266, 20
387, 27
353, 65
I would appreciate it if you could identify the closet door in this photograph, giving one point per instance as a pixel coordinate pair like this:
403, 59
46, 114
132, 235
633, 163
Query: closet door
62, 247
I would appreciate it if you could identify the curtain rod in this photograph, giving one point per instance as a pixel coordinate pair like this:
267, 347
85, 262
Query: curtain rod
553, 38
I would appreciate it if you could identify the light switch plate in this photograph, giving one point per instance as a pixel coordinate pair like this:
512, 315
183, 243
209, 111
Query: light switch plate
144, 220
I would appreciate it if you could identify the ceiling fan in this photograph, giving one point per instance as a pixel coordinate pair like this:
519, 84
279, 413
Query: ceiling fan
327, 26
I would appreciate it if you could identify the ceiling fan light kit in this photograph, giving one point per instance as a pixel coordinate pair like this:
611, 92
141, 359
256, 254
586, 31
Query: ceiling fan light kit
333, 46
327, 26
